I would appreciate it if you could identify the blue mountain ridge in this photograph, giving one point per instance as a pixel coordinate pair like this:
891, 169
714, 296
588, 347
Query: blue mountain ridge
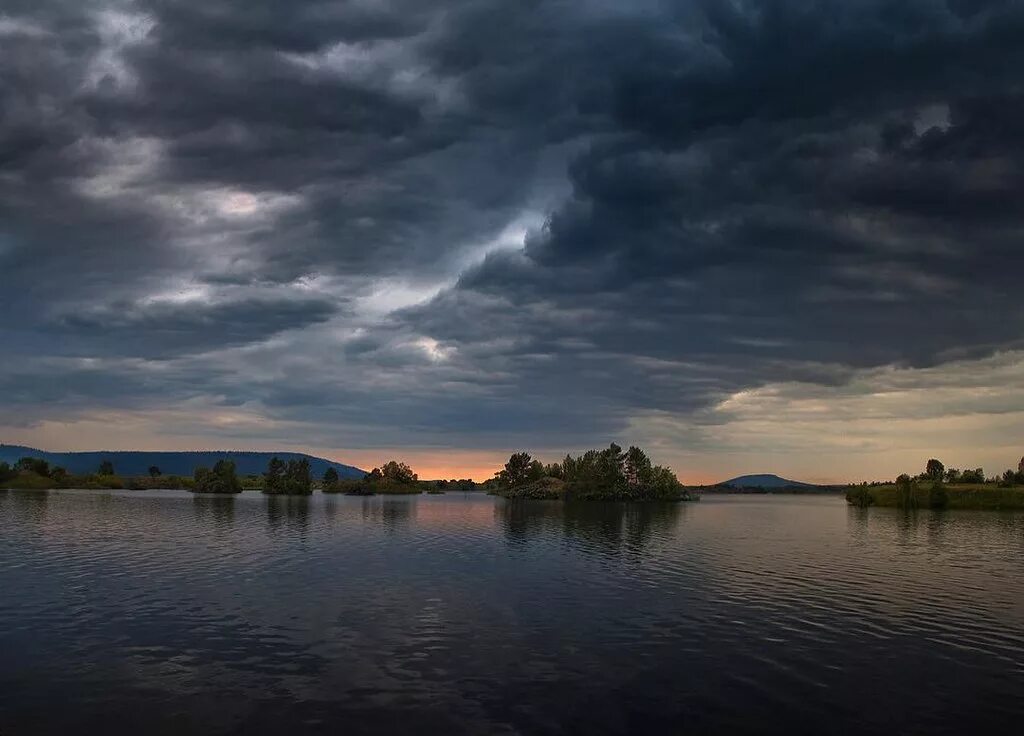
764, 481
131, 462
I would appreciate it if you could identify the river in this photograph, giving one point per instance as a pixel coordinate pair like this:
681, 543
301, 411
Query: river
168, 613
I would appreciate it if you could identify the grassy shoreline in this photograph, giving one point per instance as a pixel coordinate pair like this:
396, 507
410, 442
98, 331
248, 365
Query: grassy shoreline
980, 496
29, 481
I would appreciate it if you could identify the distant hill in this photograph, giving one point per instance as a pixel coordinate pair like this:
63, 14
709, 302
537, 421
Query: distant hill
764, 481
170, 463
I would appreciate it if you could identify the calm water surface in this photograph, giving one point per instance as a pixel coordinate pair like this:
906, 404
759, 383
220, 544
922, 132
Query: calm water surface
166, 613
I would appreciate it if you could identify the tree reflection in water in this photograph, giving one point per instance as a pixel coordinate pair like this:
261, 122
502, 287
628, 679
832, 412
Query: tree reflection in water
290, 513
394, 514
220, 508
593, 527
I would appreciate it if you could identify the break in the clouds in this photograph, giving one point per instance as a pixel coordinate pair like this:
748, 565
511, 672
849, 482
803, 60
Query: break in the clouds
479, 224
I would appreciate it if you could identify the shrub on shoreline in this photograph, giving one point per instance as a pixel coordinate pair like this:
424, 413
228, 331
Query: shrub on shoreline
543, 489
392, 478
292, 478
860, 496
222, 479
982, 496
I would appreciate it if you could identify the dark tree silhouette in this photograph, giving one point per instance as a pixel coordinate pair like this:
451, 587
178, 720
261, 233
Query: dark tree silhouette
222, 479
330, 481
517, 470
33, 465
637, 467
608, 474
274, 477
397, 472
905, 497
292, 478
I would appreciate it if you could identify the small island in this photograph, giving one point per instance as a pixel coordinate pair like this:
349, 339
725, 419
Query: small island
596, 475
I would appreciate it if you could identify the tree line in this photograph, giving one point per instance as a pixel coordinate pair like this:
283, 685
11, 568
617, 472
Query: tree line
608, 474
294, 478
393, 477
937, 472
288, 478
36, 472
911, 493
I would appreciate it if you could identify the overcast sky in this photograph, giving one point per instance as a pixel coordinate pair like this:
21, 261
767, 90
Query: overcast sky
750, 236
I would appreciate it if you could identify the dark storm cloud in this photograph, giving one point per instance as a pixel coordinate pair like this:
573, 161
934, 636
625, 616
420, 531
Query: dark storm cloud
282, 24
767, 208
169, 329
735, 192
61, 389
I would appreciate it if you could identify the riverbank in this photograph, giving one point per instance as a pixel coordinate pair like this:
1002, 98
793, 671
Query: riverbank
983, 496
27, 481
31, 481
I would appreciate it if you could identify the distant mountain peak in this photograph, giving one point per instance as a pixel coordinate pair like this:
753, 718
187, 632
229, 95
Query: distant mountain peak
765, 480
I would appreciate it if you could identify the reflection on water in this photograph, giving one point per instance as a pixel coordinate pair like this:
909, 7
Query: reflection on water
164, 612
396, 514
28, 507
220, 509
602, 528
289, 514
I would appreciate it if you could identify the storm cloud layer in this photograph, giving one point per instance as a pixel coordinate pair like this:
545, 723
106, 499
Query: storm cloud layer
484, 224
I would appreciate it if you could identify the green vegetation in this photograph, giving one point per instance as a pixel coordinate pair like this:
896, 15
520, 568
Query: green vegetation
31, 473
222, 479
938, 497
941, 488
27, 481
393, 477
437, 487
33, 465
152, 483
967, 476
935, 470
922, 495
350, 487
291, 478
539, 489
329, 483
596, 475
443, 486
860, 496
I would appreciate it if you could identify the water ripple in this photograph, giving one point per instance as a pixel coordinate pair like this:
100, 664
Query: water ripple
167, 613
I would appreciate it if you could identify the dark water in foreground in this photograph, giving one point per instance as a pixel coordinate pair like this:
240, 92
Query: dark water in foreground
164, 613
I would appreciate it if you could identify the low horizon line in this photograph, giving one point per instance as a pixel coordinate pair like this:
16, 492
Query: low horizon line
356, 467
